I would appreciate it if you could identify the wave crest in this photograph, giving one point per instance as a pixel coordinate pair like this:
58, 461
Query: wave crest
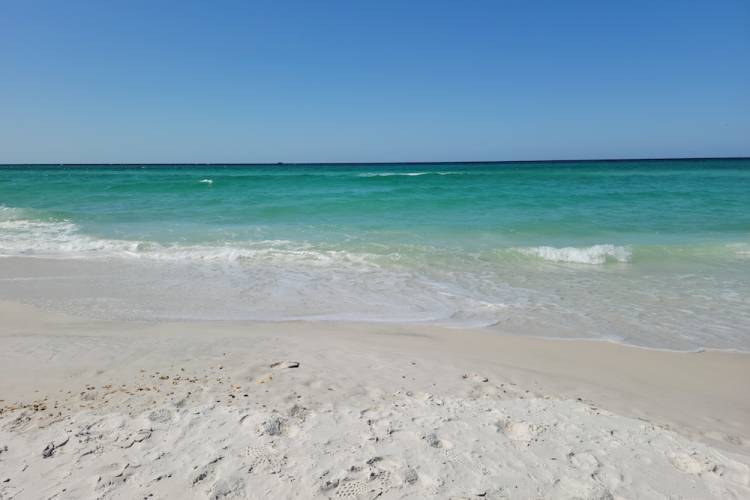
405, 174
23, 237
596, 254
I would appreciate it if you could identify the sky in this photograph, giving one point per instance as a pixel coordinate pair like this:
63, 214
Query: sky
368, 81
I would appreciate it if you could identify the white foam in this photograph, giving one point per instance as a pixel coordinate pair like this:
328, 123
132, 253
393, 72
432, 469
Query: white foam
284, 280
10, 213
206, 181
63, 239
390, 174
405, 174
741, 250
21, 236
596, 254
27, 237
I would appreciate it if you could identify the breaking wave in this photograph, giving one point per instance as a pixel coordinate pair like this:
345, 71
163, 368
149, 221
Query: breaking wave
596, 254
63, 239
25, 232
405, 174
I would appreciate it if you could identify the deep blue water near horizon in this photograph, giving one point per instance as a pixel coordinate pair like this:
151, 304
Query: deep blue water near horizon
655, 253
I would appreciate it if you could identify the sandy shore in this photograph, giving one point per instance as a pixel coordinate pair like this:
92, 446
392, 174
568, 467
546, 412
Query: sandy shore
97, 409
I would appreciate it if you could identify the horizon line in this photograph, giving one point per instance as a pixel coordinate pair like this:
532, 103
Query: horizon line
318, 163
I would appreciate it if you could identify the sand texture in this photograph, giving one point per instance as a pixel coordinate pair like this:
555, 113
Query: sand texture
240, 410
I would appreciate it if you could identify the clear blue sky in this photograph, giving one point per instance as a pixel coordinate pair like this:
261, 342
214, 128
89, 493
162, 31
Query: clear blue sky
153, 81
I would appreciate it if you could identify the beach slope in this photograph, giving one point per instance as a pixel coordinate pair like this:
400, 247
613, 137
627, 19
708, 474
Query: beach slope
332, 410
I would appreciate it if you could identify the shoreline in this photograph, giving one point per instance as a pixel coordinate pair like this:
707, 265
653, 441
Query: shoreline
372, 408
124, 289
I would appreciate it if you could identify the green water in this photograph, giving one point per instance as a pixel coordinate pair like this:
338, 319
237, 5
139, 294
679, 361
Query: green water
471, 243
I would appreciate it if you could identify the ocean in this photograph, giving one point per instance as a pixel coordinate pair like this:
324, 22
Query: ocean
650, 253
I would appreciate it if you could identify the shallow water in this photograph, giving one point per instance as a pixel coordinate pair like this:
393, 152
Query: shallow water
649, 253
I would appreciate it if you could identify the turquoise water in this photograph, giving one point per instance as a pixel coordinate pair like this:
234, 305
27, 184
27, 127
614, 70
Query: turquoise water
653, 253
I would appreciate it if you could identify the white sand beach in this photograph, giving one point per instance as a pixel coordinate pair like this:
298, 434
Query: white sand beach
383, 250
101, 409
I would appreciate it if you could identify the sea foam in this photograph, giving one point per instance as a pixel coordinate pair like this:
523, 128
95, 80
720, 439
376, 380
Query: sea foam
596, 254
405, 174
63, 239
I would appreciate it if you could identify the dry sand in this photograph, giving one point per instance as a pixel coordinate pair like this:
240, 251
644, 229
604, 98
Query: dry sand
95, 409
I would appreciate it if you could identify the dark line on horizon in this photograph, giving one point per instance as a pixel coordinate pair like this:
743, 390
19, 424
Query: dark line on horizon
338, 163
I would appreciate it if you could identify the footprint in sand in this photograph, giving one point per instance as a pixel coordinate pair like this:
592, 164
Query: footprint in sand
263, 459
228, 488
114, 476
567, 488
131, 439
368, 482
351, 489
409, 476
434, 441
693, 463
206, 472
160, 415
274, 426
521, 433
584, 461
